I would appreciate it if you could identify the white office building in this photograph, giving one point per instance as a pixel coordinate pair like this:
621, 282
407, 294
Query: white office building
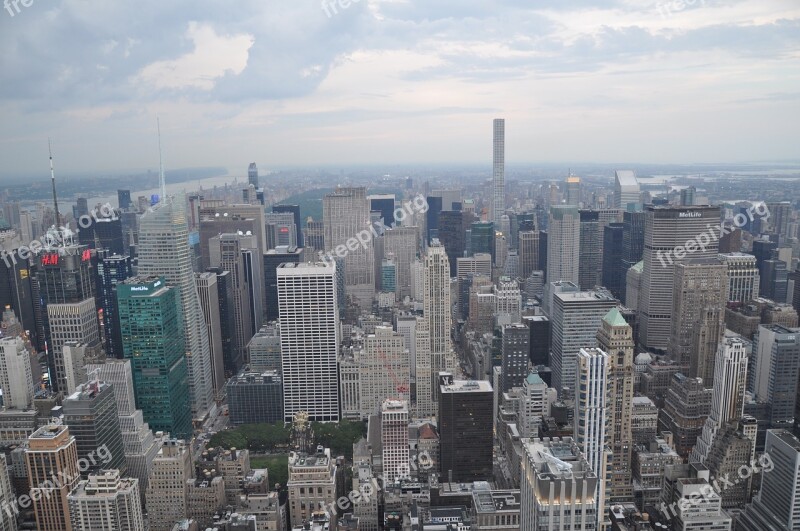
310, 332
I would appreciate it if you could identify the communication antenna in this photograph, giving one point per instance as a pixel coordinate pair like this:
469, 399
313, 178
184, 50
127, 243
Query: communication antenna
53, 181
162, 181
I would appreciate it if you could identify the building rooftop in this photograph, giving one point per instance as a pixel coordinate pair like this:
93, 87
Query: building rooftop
467, 386
787, 438
614, 318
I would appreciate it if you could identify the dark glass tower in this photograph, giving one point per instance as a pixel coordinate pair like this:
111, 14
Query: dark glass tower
153, 339
111, 270
613, 272
465, 429
295, 211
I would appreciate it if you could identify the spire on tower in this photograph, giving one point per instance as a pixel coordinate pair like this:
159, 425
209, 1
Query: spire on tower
162, 181
53, 181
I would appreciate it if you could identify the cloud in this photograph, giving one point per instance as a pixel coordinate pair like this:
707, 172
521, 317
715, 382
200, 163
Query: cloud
213, 57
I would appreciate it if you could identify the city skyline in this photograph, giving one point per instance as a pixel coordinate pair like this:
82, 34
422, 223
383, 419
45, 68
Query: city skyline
227, 90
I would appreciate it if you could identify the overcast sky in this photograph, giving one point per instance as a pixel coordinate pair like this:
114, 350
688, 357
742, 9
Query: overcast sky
396, 81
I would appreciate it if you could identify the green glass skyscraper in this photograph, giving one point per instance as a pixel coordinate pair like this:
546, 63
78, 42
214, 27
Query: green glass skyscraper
152, 338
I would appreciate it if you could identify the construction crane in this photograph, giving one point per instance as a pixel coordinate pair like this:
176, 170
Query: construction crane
401, 389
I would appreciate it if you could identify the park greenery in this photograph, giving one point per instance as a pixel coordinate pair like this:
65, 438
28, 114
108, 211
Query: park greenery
275, 438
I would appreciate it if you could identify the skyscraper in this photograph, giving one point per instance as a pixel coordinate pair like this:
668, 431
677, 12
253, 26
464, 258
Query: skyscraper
613, 270
425, 405
743, 276
590, 250
465, 429
295, 211
615, 337
8, 519
626, 190
528, 252
151, 336
572, 190
66, 290
591, 418
563, 244
436, 305
164, 251
402, 243
698, 314
91, 414
106, 501
227, 253
667, 231
111, 269
575, 318
384, 370
309, 324
482, 238
272, 259
252, 175
141, 446
498, 170
516, 347
558, 487
52, 453
16, 376
775, 370
167, 493
727, 404
208, 292
452, 234
346, 214
394, 439
124, 199
777, 505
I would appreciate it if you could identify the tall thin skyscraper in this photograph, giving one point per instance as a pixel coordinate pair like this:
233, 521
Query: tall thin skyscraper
498, 170
590, 250
436, 305
667, 231
16, 376
309, 324
227, 253
345, 215
209, 302
615, 337
727, 403
425, 405
164, 251
563, 244
591, 418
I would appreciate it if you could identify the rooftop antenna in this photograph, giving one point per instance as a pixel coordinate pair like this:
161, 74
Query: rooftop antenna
53, 181
161, 164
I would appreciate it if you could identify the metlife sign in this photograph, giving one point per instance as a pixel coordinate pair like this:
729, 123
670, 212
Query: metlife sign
690, 214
